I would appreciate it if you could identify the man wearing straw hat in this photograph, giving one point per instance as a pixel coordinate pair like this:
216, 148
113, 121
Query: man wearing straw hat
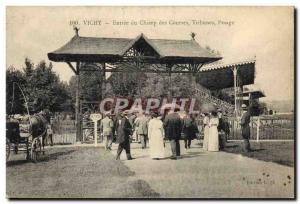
245, 121
106, 126
141, 124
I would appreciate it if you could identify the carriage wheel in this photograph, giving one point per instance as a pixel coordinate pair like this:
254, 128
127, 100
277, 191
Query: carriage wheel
8, 146
16, 148
35, 150
27, 150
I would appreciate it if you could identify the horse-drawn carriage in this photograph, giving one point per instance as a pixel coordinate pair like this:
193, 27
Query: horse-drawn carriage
26, 134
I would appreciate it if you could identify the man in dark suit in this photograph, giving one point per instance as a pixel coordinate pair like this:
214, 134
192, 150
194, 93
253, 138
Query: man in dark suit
245, 121
221, 130
123, 128
173, 127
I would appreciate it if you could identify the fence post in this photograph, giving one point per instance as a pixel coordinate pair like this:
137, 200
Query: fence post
95, 132
95, 117
257, 129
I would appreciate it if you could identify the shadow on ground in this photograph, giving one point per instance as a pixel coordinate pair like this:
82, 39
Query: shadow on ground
143, 189
43, 158
192, 155
75, 172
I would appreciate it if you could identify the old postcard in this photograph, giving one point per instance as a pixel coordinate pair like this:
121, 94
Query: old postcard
150, 102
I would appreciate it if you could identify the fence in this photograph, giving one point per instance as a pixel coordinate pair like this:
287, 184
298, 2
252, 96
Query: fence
265, 128
64, 131
277, 127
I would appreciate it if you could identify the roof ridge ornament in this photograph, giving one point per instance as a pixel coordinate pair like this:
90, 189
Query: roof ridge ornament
193, 35
76, 29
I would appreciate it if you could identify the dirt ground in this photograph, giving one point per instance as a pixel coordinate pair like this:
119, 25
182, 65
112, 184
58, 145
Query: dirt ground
73, 172
92, 172
277, 151
201, 174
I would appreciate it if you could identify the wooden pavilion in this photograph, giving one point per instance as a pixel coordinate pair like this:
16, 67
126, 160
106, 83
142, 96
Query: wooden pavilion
147, 55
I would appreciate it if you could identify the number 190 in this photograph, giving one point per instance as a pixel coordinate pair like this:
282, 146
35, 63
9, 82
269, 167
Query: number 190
73, 22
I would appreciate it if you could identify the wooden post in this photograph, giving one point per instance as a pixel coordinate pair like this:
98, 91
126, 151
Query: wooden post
235, 90
95, 118
170, 95
96, 132
81, 127
139, 67
250, 99
257, 129
103, 83
77, 104
192, 79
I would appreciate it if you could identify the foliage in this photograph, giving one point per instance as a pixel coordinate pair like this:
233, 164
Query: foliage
42, 88
161, 85
14, 98
90, 86
127, 84
224, 94
258, 108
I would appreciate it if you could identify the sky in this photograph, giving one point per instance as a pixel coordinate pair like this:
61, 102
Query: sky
238, 33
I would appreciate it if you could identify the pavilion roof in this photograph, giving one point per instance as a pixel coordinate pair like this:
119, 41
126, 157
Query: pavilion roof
255, 94
220, 75
95, 49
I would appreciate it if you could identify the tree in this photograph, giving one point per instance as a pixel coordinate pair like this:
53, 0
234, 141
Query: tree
29, 68
155, 86
14, 98
257, 108
41, 86
127, 84
90, 86
93, 86
160, 85
44, 89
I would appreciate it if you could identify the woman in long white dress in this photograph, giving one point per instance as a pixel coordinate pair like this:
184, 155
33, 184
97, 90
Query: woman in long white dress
206, 131
213, 139
156, 137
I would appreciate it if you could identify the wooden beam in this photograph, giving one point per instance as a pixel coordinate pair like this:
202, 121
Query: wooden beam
72, 67
169, 67
77, 104
103, 81
199, 66
88, 102
144, 70
234, 70
126, 67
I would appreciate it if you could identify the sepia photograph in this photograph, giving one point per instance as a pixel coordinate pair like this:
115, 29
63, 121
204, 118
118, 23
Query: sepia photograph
150, 102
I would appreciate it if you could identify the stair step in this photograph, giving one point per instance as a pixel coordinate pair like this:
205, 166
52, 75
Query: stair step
205, 94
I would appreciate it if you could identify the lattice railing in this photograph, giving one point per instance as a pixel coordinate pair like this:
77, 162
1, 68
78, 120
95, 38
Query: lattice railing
206, 97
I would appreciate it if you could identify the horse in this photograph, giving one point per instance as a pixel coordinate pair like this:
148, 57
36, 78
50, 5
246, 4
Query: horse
38, 131
29, 128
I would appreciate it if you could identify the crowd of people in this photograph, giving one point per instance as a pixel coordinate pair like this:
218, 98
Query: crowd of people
153, 130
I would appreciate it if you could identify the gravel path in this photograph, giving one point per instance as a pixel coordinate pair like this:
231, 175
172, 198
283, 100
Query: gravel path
199, 174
